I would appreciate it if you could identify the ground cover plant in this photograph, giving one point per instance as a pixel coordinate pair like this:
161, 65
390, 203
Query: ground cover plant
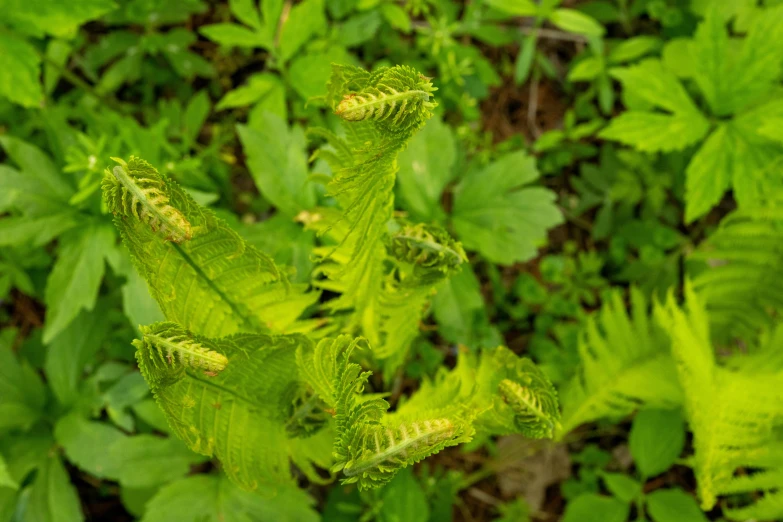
357, 260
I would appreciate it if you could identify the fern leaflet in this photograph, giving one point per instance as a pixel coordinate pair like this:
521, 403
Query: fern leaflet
138, 190
625, 363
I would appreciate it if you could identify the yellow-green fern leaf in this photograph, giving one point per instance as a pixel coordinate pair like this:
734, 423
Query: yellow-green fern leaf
534, 413
140, 191
240, 414
370, 446
397, 99
214, 284
168, 344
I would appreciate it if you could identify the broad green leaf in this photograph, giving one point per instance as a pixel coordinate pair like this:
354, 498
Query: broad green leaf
709, 49
233, 35
594, 508
709, 173
585, 70
129, 390
146, 460
87, 443
524, 63
212, 498
651, 82
137, 303
36, 165
35, 231
23, 452
758, 67
674, 505
461, 312
495, 214
8, 502
676, 57
135, 500
22, 394
757, 155
52, 17
404, 500
6, 480
634, 48
57, 54
732, 84
277, 159
425, 170
359, 28
196, 112
655, 132
21, 66
247, 13
310, 72
272, 11
73, 284
515, 7
52, 496
574, 21
258, 87
397, 17
72, 350
656, 440
305, 21
622, 486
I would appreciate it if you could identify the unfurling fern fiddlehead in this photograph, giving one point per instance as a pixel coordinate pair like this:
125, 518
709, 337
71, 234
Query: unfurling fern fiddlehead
137, 189
523, 399
369, 449
433, 253
168, 344
532, 411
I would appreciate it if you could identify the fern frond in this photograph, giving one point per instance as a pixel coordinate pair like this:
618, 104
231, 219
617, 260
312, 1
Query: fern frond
426, 255
138, 190
625, 363
370, 447
736, 271
430, 249
397, 99
515, 396
533, 412
732, 414
238, 415
168, 344
380, 119
502, 392
318, 364
215, 283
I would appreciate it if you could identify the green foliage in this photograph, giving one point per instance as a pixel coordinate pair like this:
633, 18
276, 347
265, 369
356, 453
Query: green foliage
369, 451
595, 187
625, 362
735, 152
656, 440
737, 264
494, 215
730, 426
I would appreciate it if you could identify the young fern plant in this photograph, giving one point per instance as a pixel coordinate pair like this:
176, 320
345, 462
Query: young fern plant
242, 376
